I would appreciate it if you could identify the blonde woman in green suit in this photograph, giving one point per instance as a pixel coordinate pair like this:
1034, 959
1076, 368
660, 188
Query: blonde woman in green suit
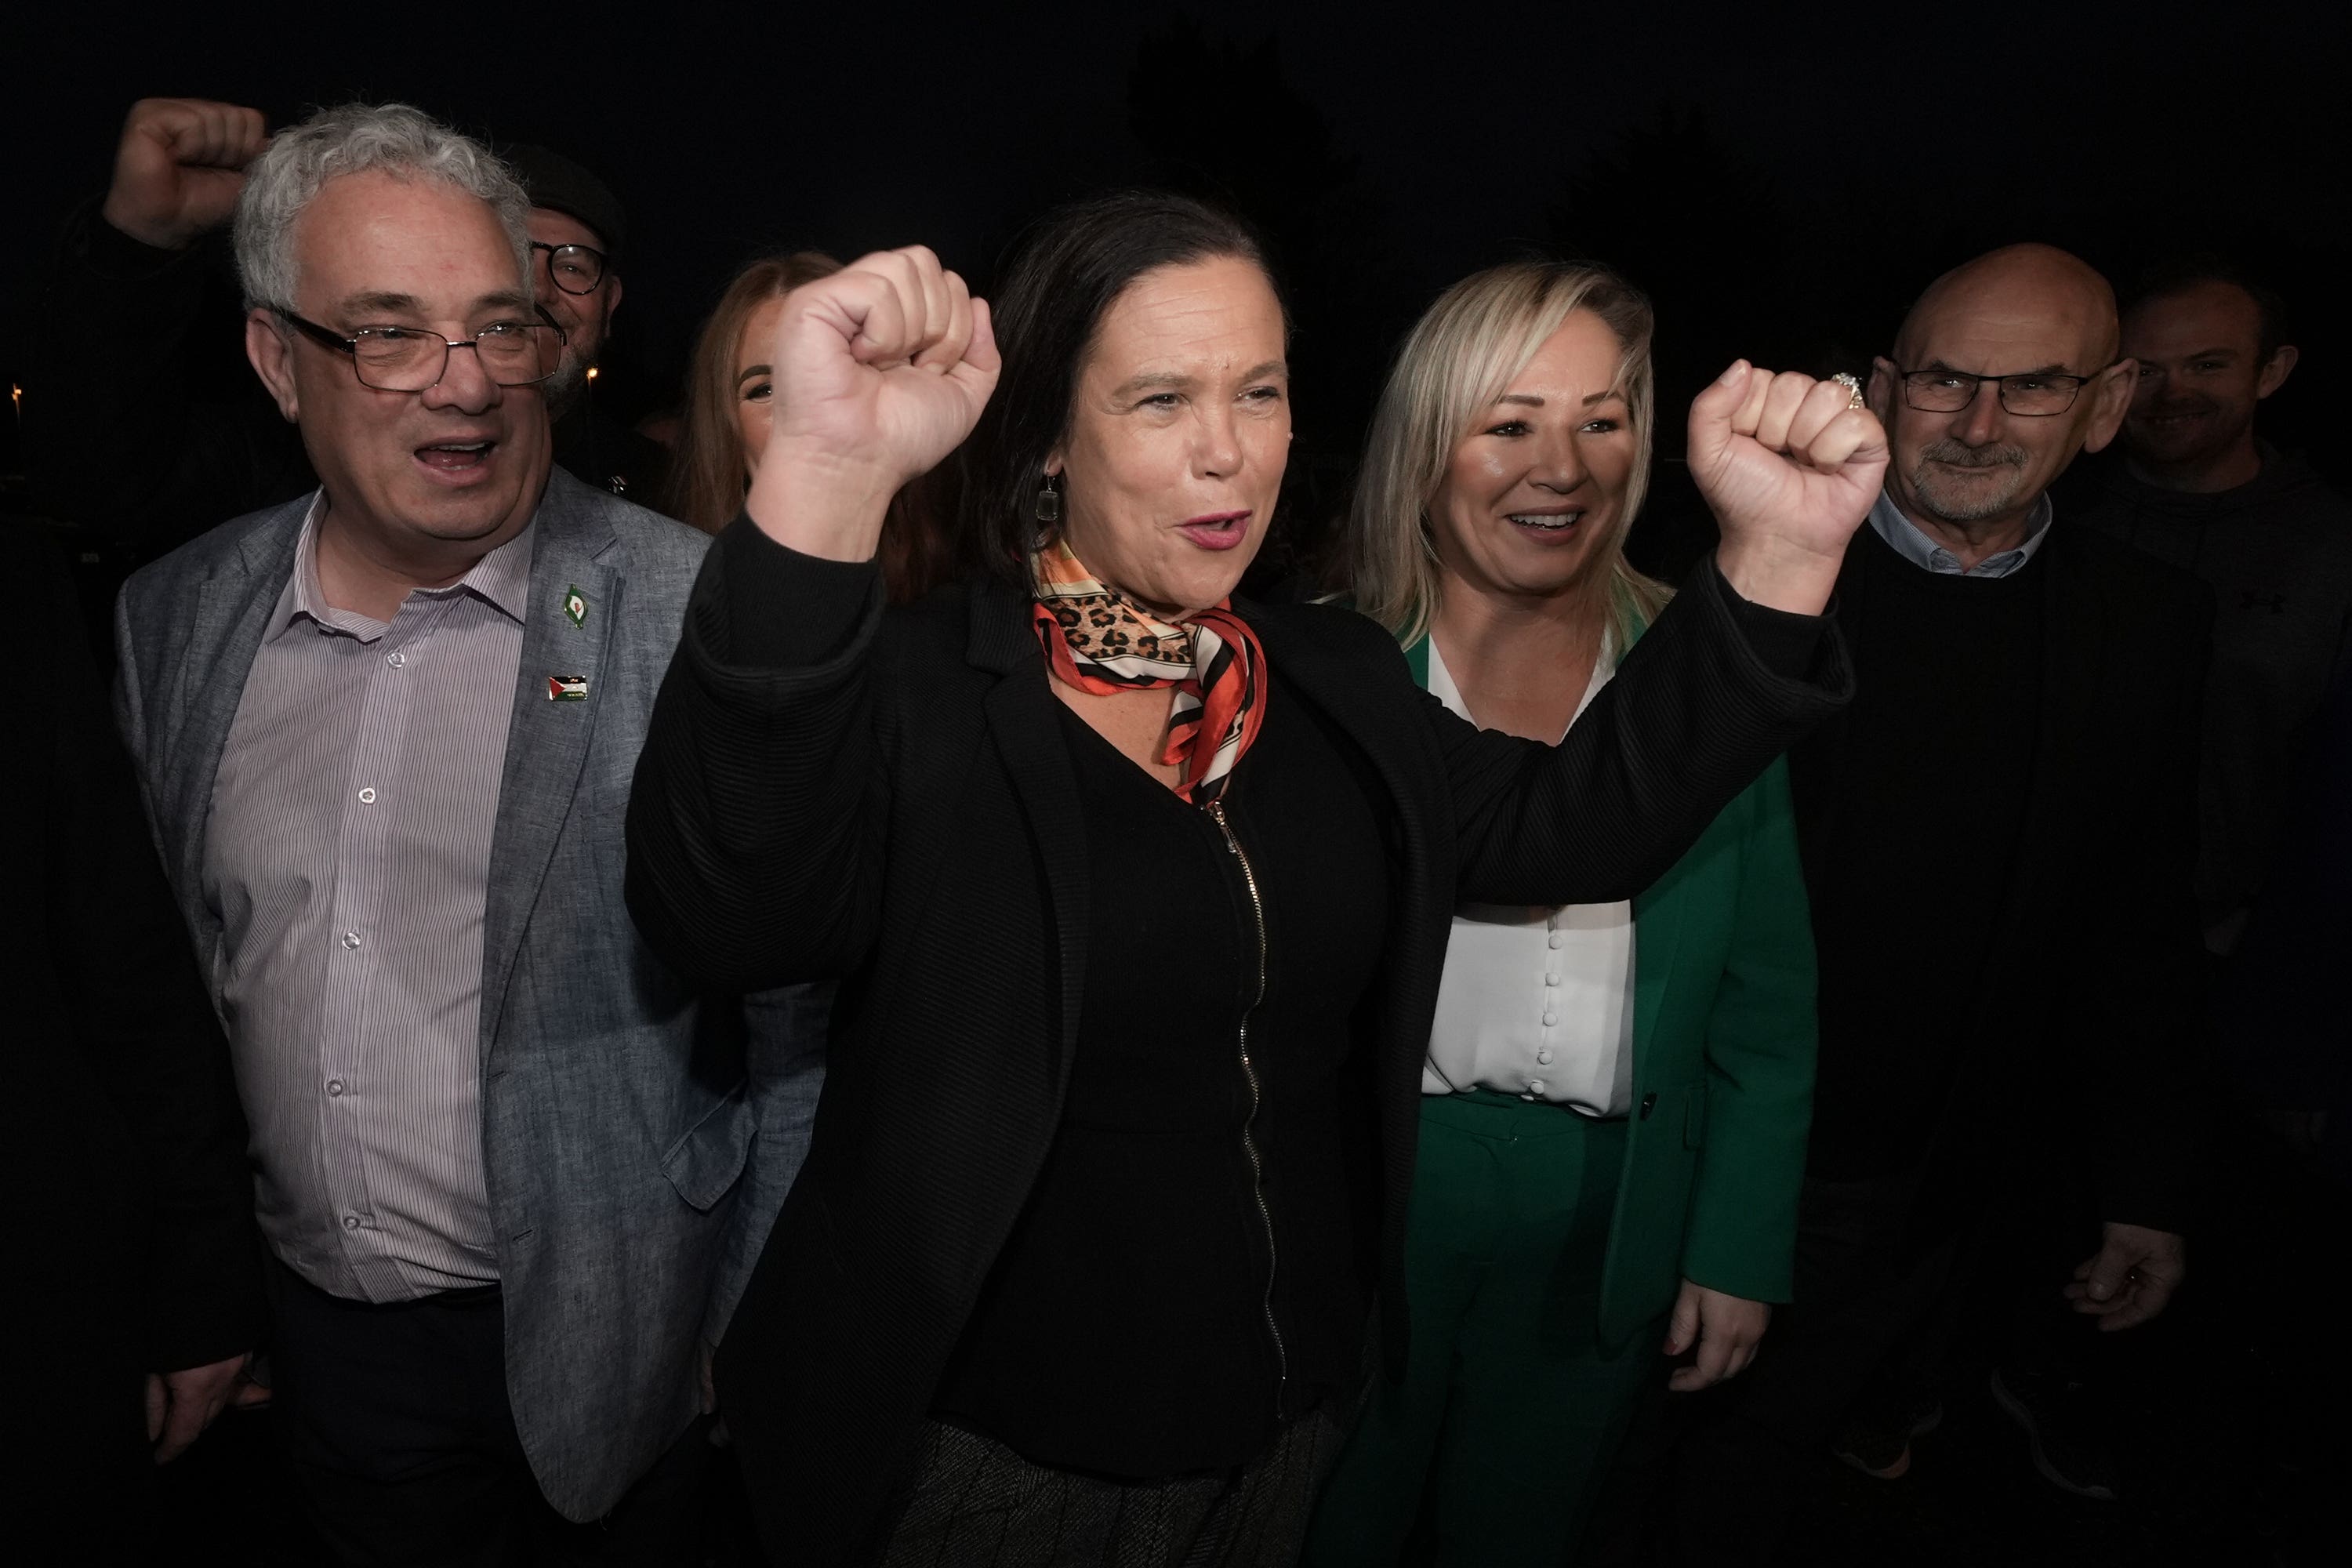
1615, 1097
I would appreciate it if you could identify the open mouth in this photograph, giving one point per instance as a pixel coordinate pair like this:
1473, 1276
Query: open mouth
1547, 521
457, 457
1218, 531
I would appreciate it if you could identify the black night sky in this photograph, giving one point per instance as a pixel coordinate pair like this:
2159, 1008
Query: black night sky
1780, 181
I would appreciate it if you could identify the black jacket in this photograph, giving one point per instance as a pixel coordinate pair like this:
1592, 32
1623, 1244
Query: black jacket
2277, 553
130, 1204
830, 790
2085, 1019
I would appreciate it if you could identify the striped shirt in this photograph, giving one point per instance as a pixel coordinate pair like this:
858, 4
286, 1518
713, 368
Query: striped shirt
347, 858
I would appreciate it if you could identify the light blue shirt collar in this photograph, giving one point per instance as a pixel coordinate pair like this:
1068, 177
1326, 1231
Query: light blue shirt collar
1923, 552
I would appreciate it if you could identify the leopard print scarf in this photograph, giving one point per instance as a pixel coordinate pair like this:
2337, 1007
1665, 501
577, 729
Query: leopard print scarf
1097, 641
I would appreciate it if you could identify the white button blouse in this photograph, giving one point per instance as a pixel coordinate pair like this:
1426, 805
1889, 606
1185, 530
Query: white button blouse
1536, 1002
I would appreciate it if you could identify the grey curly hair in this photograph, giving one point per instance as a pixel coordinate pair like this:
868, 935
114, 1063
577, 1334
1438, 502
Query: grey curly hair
351, 139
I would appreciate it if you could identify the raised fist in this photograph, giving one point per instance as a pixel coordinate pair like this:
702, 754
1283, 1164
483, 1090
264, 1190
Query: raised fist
1789, 467
880, 371
179, 167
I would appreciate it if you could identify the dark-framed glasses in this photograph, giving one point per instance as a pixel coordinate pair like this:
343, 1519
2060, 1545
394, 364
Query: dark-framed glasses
410, 359
2034, 393
576, 268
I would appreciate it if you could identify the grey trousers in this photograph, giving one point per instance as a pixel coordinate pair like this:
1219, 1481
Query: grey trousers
970, 1503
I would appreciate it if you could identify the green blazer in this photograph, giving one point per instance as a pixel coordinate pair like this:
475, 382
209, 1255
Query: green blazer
1723, 1033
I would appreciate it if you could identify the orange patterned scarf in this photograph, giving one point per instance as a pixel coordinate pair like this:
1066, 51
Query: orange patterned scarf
1097, 641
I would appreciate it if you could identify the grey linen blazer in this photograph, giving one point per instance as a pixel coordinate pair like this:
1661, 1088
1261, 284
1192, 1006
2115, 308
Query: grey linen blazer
638, 1137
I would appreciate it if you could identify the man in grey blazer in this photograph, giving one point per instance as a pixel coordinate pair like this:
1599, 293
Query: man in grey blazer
514, 1173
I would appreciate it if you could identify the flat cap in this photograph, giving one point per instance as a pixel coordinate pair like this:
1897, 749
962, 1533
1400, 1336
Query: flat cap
555, 180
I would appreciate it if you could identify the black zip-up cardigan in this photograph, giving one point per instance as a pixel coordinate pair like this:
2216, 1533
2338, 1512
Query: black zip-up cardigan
831, 791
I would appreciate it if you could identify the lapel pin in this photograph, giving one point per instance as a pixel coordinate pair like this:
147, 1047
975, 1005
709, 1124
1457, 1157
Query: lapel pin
575, 606
567, 689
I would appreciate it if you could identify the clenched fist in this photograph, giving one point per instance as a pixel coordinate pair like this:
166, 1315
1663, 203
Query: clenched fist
1790, 468
179, 167
881, 369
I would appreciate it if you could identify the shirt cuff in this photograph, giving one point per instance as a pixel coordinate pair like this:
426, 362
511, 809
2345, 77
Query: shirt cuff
1784, 643
784, 609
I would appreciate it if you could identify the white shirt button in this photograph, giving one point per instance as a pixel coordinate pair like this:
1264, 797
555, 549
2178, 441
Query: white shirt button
351, 939
351, 1221
1543, 1058
1552, 979
334, 1086
1535, 1086
398, 659
1559, 939
367, 797
1549, 1019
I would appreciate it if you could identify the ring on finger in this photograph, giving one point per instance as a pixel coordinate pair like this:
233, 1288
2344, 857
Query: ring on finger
1852, 385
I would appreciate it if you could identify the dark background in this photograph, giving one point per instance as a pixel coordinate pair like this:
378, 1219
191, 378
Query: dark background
1782, 180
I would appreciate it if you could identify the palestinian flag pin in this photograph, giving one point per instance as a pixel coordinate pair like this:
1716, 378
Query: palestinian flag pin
575, 605
567, 689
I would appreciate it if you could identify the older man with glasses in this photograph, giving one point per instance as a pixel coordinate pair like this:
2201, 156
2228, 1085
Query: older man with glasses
579, 233
140, 426
512, 1171
1998, 838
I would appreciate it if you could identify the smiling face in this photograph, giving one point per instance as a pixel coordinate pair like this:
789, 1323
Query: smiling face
2021, 309
1534, 495
459, 464
1180, 428
2202, 372
584, 318
755, 388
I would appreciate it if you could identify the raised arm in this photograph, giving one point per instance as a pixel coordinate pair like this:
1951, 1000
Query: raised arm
1735, 670
126, 428
756, 822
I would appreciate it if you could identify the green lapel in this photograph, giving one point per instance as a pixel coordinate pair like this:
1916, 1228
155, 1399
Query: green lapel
1416, 658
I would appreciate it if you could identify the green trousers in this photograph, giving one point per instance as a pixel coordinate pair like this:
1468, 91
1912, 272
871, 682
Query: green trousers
1492, 1446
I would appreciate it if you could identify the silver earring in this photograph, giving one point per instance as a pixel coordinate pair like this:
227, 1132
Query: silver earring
1049, 501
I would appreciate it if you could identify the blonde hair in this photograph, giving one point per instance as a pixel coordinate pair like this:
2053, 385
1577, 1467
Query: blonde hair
1462, 354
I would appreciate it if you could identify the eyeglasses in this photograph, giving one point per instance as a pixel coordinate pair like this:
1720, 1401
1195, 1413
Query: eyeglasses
2033, 394
410, 359
576, 268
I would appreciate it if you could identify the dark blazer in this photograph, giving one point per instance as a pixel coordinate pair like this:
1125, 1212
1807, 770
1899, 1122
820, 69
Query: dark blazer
828, 790
130, 1202
2085, 1018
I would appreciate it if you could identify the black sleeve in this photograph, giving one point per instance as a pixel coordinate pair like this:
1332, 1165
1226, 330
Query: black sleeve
136, 1013
2286, 1013
2138, 1006
142, 419
755, 835
1715, 690
755, 820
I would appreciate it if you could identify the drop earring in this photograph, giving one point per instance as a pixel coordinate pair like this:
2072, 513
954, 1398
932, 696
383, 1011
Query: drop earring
1049, 501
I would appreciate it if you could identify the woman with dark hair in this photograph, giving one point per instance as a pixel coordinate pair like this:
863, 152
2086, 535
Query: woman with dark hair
1137, 894
729, 398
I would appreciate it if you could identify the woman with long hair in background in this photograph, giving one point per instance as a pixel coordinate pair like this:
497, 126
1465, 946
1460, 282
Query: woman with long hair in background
729, 397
